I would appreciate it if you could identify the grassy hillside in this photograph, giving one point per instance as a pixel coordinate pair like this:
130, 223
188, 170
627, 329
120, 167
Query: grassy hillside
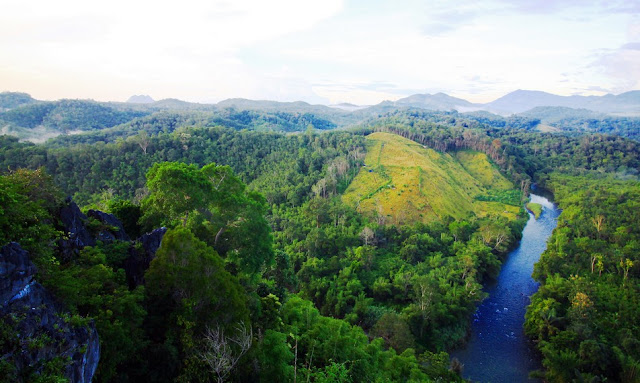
402, 181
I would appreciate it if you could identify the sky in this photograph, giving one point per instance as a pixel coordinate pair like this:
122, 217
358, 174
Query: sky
321, 52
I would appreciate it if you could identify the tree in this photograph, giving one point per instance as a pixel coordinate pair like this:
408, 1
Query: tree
222, 352
28, 200
275, 358
143, 141
598, 223
395, 331
188, 291
367, 235
175, 190
190, 275
424, 298
215, 205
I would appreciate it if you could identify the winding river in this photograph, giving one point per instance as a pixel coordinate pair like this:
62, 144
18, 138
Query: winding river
498, 350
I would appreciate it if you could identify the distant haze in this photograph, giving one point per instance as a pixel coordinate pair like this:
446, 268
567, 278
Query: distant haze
321, 52
140, 99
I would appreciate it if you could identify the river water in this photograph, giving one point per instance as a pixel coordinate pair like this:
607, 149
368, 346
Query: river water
498, 350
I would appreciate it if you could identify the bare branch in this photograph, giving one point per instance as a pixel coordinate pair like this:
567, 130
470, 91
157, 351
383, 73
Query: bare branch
222, 352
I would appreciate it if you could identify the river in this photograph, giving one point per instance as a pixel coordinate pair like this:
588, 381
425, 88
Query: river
498, 350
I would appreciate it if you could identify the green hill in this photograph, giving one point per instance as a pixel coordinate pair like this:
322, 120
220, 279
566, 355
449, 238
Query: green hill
403, 181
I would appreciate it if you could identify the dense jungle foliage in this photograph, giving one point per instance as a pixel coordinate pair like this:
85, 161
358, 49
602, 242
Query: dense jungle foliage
585, 315
262, 252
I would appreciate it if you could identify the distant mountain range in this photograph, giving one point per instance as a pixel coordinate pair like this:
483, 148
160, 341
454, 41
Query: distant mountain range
519, 101
36, 120
523, 100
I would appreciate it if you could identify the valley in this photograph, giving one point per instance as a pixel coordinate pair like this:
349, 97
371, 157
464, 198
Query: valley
361, 250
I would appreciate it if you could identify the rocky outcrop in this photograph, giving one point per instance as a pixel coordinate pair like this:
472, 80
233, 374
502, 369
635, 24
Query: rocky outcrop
74, 226
37, 331
140, 256
112, 229
81, 231
16, 273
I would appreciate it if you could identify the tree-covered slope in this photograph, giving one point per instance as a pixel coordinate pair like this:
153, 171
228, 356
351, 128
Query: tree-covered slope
42, 120
584, 318
10, 100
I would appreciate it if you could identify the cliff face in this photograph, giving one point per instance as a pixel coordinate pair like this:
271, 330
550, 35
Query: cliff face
140, 256
38, 334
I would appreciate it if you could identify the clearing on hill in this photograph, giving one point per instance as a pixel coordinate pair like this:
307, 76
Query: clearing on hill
403, 181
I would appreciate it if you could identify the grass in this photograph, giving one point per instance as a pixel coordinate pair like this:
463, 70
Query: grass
480, 167
406, 182
547, 128
535, 208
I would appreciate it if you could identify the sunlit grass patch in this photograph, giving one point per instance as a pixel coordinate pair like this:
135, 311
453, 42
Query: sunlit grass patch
405, 182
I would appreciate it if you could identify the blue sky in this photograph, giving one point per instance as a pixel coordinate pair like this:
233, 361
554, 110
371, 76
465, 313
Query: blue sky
326, 51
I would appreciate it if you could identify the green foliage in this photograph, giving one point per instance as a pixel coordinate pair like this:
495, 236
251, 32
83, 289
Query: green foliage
92, 287
578, 121
509, 197
275, 358
175, 190
420, 273
10, 100
188, 290
535, 208
216, 206
413, 285
395, 331
584, 315
128, 213
28, 200
189, 277
67, 115
332, 350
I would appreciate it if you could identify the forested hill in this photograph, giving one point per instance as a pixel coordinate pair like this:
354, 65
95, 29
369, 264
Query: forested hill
86, 121
41, 120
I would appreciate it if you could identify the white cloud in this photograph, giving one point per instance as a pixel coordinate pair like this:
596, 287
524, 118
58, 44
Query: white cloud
623, 66
313, 50
186, 49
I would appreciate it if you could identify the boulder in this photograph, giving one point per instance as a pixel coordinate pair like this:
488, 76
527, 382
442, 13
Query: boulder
140, 256
113, 227
76, 234
74, 223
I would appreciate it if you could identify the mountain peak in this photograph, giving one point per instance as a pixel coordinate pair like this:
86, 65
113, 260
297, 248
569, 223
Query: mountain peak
438, 101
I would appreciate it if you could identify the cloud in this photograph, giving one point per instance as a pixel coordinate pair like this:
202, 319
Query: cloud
447, 19
631, 47
188, 48
360, 93
621, 66
357, 51
592, 7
